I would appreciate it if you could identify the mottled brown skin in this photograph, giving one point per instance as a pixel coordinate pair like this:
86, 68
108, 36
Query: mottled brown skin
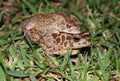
56, 32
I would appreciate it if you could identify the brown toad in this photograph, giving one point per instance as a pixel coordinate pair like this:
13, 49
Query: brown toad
56, 32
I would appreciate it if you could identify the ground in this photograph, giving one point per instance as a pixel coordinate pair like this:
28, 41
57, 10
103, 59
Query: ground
20, 60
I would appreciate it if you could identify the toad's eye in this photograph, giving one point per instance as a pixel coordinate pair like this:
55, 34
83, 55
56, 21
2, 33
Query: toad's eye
76, 39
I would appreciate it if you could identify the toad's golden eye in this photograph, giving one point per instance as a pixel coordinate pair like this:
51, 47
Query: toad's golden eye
76, 39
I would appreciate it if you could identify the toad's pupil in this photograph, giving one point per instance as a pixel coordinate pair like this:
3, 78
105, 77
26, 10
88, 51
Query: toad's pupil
76, 39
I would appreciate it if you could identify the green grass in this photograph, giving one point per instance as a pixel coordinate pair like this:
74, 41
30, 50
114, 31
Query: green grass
22, 60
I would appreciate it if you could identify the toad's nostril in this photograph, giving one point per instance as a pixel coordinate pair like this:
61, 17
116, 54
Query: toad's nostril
76, 39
